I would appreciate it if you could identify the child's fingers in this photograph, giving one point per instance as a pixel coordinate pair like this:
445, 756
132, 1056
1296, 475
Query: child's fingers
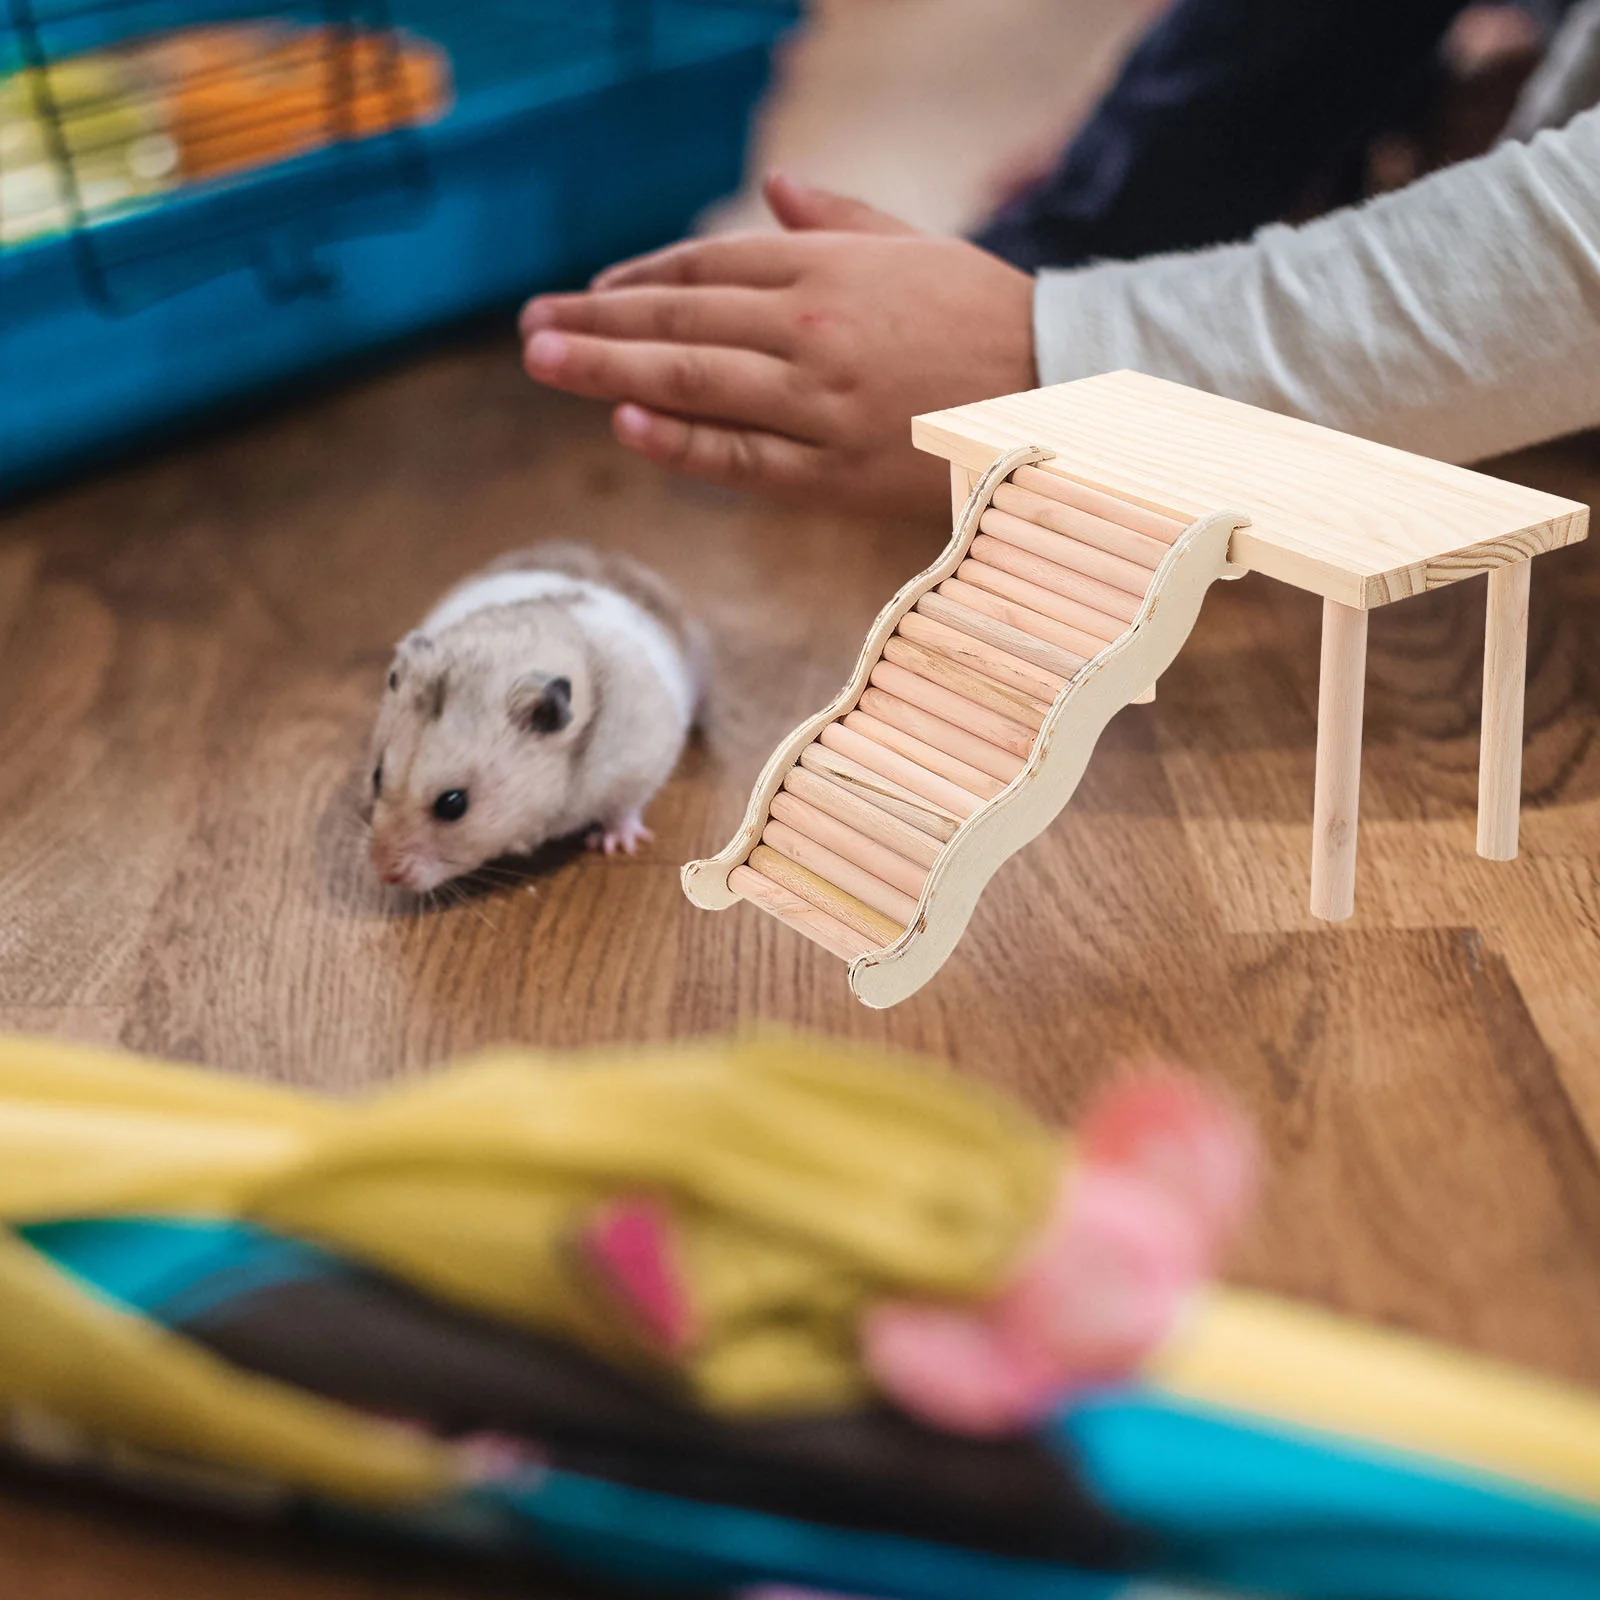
737, 458
756, 260
744, 387
748, 319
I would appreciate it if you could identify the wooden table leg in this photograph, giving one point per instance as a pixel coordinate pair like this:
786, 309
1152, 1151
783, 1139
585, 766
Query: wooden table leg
1505, 670
961, 482
1334, 813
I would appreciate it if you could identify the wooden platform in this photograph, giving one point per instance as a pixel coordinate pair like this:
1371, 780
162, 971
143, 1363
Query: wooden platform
191, 651
1352, 521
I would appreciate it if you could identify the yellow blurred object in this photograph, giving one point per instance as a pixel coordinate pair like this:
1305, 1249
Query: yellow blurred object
1302, 1368
802, 1180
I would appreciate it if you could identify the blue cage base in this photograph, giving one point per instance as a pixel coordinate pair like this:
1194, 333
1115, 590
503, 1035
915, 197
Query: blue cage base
557, 157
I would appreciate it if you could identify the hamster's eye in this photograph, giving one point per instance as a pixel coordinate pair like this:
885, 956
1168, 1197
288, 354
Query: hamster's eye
394, 678
451, 806
377, 779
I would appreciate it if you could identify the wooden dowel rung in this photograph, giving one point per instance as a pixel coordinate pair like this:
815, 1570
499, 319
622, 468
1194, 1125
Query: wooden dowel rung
1072, 612
842, 873
843, 840
879, 792
1097, 502
1009, 704
956, 709
894, 766
1023, 618
925, 755
799, 914
1126, 576
1139, 548
1054, 666
864, 816
827, 897
975, 651
942, 735
1059, 580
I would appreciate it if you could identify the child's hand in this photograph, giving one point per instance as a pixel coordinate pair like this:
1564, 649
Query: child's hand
793, 363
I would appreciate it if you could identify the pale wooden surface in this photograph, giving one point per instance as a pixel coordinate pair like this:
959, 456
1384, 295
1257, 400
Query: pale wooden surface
1336, 795
1505, 659
1344, 518
191, 651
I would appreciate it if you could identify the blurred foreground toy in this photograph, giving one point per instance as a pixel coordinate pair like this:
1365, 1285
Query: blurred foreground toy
1091, 519
646, 1315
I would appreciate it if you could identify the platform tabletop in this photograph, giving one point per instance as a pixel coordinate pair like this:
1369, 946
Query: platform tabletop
1358, 522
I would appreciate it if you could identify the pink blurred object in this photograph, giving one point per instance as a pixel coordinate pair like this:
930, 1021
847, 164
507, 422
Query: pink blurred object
1172, 1132
630, 1245
1164, 1175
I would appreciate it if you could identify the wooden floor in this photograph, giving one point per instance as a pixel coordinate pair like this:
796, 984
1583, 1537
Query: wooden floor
191, 651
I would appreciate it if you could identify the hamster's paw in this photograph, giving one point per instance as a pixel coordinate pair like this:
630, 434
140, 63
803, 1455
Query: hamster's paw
626, 834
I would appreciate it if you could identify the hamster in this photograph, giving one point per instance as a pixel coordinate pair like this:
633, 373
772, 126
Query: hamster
552, 692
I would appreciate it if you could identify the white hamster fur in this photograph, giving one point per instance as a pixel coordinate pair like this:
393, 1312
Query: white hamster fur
551, 692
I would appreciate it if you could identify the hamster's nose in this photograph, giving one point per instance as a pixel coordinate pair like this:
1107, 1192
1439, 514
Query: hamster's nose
388, 863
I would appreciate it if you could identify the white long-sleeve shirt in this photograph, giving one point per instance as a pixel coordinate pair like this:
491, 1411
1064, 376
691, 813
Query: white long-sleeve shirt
1459, 317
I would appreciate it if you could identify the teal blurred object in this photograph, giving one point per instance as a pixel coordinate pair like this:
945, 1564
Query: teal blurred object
578, 133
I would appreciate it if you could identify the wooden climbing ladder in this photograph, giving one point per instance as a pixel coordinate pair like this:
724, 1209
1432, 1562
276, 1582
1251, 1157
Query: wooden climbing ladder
1091, 518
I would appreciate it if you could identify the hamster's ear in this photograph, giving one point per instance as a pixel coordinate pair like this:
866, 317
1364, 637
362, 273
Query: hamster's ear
542, 705
415, 646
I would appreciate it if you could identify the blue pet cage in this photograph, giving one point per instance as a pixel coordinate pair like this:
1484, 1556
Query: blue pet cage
559, 135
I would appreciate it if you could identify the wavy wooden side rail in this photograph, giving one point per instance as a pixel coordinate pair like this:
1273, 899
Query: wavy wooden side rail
966, 726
